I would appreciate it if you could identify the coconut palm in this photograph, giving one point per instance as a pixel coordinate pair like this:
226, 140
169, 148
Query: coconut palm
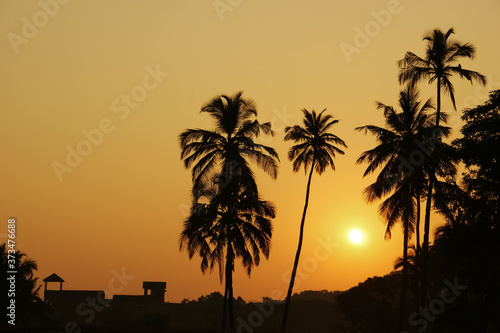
441, 62
315, 149
228, 222
221, 155
28, 301
230, 145
403, 175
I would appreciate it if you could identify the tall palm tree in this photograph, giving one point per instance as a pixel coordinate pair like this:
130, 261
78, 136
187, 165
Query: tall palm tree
315, 149
230, 145
397, 144
223, 154
227, 223
441, 61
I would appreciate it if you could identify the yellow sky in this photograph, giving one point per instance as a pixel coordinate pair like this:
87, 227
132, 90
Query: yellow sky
68, 66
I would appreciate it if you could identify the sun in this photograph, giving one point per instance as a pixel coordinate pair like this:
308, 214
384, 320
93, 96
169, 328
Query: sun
355, 236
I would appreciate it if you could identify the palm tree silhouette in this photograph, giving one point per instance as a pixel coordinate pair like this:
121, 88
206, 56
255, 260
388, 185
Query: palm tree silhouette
315, 148
227, 223
28, 302
220, 157
230, 144
398, 143
441, 59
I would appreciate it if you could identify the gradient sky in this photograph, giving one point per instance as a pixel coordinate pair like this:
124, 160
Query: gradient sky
122, 206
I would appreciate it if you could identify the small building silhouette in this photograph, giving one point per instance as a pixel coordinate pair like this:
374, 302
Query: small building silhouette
62, 300
67, 300
52, 278
155, 291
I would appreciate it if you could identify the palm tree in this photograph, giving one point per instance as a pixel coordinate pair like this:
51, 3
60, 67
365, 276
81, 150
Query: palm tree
315, 148
398, 144
441, 61
28, 302
230, 144
227, 223
222, 155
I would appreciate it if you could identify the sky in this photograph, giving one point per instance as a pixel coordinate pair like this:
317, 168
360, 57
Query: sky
93, 96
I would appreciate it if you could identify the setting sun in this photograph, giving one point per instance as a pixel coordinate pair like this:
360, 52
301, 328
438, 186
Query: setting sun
355, 236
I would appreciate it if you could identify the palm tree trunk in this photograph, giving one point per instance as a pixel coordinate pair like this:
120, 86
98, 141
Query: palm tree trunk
228, 292
224, 306
405, 276
425, 245
438, 102
229, 279
297, 255
417, 255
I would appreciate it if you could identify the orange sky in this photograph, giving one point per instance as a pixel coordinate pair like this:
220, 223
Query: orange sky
122, 205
